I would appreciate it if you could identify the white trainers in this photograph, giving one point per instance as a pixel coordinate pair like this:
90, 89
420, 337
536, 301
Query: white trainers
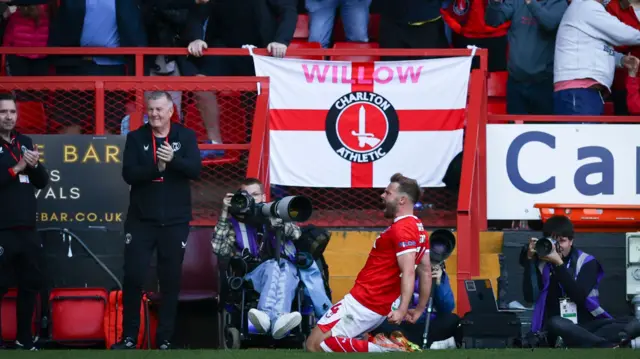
449, 343
260, 320
285, 323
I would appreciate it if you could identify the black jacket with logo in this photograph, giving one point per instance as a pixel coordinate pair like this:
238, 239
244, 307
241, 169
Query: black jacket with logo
19, 205
161, 198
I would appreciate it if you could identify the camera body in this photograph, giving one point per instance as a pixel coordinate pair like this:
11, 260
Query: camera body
545, 245
288, 209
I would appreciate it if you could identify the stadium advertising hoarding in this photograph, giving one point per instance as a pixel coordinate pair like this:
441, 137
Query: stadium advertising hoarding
86, 189
563, 163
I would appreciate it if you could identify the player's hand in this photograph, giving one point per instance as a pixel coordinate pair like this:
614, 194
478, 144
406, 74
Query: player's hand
413, 315
31, 158
396, 316
532, 248
162, 165
165, 153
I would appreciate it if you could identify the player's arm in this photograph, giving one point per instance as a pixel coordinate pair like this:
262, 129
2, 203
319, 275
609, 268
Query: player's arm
407, 264
424, 275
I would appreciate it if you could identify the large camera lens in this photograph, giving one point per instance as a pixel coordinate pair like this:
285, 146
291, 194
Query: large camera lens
544, 246
289, 209
441, 244
241, 202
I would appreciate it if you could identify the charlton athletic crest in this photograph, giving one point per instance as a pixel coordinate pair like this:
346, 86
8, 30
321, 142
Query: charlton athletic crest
362, 127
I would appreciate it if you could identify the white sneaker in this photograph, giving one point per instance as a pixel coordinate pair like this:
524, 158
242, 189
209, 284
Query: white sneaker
285, 323
260, 320
449, 343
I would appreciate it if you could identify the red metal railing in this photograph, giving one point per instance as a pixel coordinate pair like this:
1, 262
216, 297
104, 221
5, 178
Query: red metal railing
471, 201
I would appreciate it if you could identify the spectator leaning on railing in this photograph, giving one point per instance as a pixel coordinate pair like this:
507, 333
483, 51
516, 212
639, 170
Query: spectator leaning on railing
585, 61
531, 46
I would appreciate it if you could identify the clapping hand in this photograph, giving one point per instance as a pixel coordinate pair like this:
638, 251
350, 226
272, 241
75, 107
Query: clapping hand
165, 153
32, 158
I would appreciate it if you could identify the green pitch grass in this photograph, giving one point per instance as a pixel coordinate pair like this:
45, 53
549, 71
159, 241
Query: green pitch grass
294, 354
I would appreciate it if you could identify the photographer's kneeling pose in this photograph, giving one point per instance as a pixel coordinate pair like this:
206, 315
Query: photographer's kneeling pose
398, 253
563, 282
276, 281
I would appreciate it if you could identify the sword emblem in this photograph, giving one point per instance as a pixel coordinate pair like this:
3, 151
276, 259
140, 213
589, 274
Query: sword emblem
364, 138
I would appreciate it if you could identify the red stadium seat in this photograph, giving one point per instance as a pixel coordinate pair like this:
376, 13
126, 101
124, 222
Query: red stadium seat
356, 45
302, 27
297, 44
374, 27
497, 93
609, 109
233, 127
32, 119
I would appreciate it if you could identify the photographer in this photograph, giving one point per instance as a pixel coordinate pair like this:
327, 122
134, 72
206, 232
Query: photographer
444, 323
563, 283
276, 281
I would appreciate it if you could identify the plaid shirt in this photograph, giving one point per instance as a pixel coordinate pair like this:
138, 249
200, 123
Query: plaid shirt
224, 237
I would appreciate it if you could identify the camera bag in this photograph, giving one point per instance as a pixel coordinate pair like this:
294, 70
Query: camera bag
490, 330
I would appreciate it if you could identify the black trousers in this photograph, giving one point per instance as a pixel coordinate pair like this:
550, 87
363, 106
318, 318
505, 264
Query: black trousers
442, 327
20, 251
394, 35
141, 240
600, 333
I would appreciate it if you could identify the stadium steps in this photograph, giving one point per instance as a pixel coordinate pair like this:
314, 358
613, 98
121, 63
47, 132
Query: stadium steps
348, 250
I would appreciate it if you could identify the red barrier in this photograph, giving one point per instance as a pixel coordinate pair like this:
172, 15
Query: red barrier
338, 207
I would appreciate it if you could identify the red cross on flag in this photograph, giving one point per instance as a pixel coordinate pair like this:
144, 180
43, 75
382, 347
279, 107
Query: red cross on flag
349, 124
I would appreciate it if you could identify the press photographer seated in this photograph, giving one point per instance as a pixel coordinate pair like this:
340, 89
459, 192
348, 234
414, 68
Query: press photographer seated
563, 282
240, 233
443, 323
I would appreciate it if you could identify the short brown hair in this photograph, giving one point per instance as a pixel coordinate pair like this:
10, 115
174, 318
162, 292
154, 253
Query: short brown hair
408, 186
251, 181
7, 96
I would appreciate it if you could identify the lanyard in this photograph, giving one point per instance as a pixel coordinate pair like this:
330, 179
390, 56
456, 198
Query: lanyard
153, 143
10, 149
563, 294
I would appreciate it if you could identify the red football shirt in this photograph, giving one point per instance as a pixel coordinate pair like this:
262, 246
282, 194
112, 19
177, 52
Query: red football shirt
378, 283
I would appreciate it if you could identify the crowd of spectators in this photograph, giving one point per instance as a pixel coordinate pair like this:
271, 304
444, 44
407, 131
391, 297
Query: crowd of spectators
560, 56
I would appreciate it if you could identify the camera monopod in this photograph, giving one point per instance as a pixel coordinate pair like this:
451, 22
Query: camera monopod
427, 321
442, 242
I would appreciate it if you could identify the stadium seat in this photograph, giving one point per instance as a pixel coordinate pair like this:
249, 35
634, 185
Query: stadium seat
32, 118
233, 127
297, 44
199, 268
355, 45
302, 27
609, 109
8, 324
374, 27
497, 93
